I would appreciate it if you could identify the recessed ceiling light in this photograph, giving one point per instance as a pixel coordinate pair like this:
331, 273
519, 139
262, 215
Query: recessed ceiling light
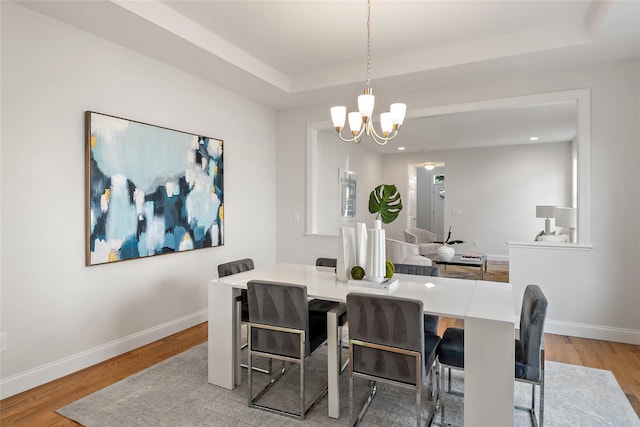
533, 138
401, 148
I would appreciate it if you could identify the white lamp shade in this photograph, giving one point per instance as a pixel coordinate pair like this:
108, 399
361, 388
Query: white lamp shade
338, 116
398, 111
385, 123
355, 121
565, 217
545, 211
365, 105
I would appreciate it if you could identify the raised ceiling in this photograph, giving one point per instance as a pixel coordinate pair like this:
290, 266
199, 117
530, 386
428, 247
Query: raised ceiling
294, 53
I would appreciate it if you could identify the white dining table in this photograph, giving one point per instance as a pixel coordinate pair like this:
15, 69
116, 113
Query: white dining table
486, 308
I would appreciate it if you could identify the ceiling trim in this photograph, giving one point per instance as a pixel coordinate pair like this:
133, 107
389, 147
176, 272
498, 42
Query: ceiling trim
169, 20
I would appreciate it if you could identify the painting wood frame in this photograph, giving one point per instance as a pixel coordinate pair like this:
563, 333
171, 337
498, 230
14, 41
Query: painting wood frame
149, 190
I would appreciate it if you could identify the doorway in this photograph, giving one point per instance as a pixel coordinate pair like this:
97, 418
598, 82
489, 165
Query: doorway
430, 200
437, 203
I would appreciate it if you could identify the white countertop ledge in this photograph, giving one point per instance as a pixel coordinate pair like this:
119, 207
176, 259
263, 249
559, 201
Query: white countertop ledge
550, 245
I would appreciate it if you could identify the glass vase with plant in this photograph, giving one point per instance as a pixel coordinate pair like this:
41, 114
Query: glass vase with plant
448, 241
385, 201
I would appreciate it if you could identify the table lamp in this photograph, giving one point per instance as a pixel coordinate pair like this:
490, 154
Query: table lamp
546, 211
566, 217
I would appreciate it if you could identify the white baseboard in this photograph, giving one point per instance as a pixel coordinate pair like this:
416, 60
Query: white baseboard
593, 332
51, 371
501, 258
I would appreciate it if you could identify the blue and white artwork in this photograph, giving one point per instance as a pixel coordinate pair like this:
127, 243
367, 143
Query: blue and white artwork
150, 190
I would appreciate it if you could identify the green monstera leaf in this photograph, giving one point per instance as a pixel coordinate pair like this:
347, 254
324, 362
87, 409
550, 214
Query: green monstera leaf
385, 201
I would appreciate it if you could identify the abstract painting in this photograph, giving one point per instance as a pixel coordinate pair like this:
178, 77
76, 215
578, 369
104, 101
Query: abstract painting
150, 190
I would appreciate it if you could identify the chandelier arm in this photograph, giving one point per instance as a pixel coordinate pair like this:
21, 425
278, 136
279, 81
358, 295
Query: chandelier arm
355, 139
346, 139
382, 140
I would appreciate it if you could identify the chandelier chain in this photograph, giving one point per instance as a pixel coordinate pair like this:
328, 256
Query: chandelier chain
368, 43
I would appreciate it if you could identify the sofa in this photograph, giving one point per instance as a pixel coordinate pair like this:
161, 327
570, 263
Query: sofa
562, 236
425, 240
399, 252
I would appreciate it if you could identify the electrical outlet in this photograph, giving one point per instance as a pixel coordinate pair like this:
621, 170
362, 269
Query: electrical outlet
475, 244
3, 341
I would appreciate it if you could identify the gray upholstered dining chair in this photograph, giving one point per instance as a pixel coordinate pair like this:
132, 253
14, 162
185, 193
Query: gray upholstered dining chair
235, 267
431, 322
281, 328
388, 343
421, 270
529, 357
327, 262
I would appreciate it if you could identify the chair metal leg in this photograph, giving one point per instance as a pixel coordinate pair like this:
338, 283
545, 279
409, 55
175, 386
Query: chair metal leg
253, 401
301, 375
243, 346
342, 365
416, 384
350, 396
439, 403
536, 420
418, 405
431, 383
438, 391
255, 368
367, 403
272, 381
541, 423
441, 390
249, 370
355, 421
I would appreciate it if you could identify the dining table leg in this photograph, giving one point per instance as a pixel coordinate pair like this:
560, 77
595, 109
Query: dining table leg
489, 353
223, 356
333, 363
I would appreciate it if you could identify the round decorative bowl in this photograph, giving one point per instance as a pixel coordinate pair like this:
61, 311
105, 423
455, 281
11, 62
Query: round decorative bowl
446, 252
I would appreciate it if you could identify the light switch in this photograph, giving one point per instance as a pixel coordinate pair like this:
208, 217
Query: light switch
456, 212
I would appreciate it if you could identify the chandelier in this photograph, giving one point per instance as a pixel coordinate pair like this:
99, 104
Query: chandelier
360, 121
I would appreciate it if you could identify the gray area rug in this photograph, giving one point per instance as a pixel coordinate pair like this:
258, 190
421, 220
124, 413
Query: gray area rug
176, 393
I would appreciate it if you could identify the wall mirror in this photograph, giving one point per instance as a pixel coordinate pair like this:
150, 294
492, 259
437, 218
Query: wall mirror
322, 144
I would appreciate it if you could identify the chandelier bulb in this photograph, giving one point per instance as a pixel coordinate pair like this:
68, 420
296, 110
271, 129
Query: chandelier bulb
398, 111
366, 103
355, 122
385, 124
338, 115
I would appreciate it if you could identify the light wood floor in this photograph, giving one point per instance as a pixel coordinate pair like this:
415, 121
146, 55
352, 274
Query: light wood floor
37, 407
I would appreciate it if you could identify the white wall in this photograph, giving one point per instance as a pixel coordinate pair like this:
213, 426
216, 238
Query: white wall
58, 315
496, 189
590, 307
292, 182
614, 262
348, 156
